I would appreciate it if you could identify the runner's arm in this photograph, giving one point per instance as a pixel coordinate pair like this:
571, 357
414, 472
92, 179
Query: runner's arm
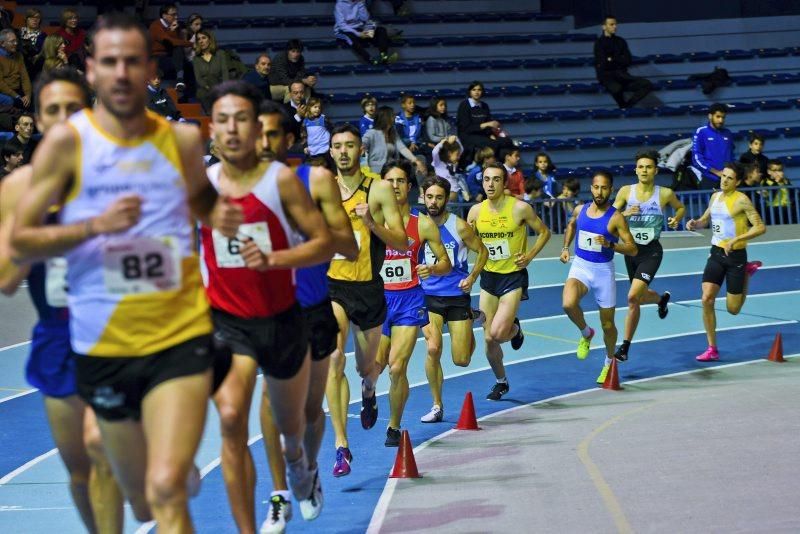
429, 232
201, 195
677, 205
701, 222
757, 227
393, 233
475, 244
325, 191
621, 199
626, 245
529, 218
11, 189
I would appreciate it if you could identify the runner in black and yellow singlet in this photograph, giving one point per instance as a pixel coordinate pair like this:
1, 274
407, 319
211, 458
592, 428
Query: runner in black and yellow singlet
502, 223
355, 287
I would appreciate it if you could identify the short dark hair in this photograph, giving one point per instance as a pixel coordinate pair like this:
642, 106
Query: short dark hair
550, 166
775, 162
755, 136
62, 74
736, 168
652, 155
717, 107
403, 164
473, 84
438, 181
294, 44
605, 174
497, 166
165, 9
346, 127
117, 20
533, 184
11, 149
748, 169
609, 17
504, 153
239, 88
406, 96
573, 184
448, 148
288, 124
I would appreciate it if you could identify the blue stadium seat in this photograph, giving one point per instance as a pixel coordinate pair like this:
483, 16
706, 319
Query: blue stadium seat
670, 111
773, 52
635, 60
582, 37
452, 40
449, 93
640, 112
368, 69
470, 65
572, 61
489, 17
404, 67
606, 113
512, 39
742, 106
591, 142
776, 104
537, 116
517, 90
550, 89
497, 64
335, 69
460, 17
319, 44
784, 77
536, 63
746, 80
704, 56
426, 18
626, 140
792, 131
553, 38
568, 115
436, 66
738, 54
520, 16
678, 84
423, 41
668, 58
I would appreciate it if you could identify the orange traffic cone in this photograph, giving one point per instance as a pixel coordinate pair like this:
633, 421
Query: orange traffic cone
467, 420
612, 378
776, 352
404, 464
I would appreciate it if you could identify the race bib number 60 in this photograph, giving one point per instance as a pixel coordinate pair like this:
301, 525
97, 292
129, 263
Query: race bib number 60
141, 265
396, 271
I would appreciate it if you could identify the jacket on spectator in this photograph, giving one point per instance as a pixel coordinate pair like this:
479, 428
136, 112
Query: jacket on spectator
469, 119
365, 124
26, 149
164, 39
475, 180
318, 135
613, 47
160, 102
748, 158
437, 128
30, 44
516, 182
671, 155
209, 74
73, 44
379, 152
350, 17
14, 80
259, 82
711, 149
549, 184
409, 128
445, 169
285, 72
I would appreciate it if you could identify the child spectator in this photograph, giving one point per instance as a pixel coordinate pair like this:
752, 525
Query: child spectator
544, 172
516, 182
533, 188
483, 156
438, 125
160, 101
355, 28
755, 154
445, 157
569, 197
409, 123
317, 129
368, 105
779, 201
12, 158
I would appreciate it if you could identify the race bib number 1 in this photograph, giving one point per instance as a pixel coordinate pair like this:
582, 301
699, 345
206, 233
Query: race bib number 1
228, 250
643, 236
55, 282
586, 241
138, 265
396, 271
498, 250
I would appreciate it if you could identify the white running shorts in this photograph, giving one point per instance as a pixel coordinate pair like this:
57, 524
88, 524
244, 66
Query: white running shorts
598, 277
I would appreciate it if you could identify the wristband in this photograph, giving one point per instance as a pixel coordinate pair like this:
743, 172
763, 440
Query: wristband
565, 248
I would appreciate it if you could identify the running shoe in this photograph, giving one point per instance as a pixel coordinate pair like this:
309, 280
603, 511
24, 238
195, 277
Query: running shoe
498, 390
584, 344
710, 355
311, 507
662, 305
392, 437
369, 408
752, 266
478, 317
301, 480
434, 416
193, 481
280, 512
516, 341
622, 352
601, 378
343, 460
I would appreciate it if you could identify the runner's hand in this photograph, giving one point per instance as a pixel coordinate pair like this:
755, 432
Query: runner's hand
362, 210
564, 256
521, 260
672, 222
691, 224
121, 215
253, 257
226, 217
423, 271
465, 285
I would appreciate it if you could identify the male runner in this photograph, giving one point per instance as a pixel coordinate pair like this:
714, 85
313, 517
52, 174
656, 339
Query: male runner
280, 132
729, 212
139, 319
645, 204
502, 222
601, 231
251, 289
447, 297
51, 366
356, 288
405, 300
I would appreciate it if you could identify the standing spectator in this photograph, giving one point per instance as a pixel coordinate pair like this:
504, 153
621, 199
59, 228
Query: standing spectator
544, 171
12, 158
438, 125
316, 130
168, 47
712, 148
24, 140
74, 38
160, 101
611, 61
15, 85
54, 53
382, 143
779, 201
210, 67
409, 123
483, 157
476, 128
515, 185
755, 153
287, 68
31, 40
259, 76
356, 29
445, 156
368, 106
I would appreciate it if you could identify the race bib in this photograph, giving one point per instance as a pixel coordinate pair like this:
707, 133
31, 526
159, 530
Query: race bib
430, 257
227, 250
717, 230
586, 241
498, 249
396, 271
357, 235
55, 282
643, 236
137, 265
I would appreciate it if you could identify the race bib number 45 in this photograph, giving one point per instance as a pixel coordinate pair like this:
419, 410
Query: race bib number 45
396, 271
643, 236
498, 250
586, 241
228, 250
138, 265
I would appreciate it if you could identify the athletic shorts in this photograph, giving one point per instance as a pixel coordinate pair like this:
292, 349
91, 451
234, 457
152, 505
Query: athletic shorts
729, 269
645, 264
498, 284
363, 302
598, 277
322, 329
405, 308
453, 308
278, 343
115, 387
51, 364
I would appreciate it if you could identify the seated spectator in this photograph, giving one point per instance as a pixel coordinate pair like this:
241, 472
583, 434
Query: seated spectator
15, 85
355, 28
74, 38
12, 158
533, 188
31, 40
54, 53
544, 171
382, 143
515, 186
612, 57
712, 147
259, 76
210, 67
296, 106
779, 201
755, 153
24, 140
160, 101
368, 106
316, 130
168, 47
445, 156
193, 25
438, 125
476, 128
483, 156
287, 68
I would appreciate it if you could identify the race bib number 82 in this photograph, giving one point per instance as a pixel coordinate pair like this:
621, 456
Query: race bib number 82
141, 265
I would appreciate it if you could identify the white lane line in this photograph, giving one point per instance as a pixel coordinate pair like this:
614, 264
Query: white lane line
15, 345
24, 467
17, 395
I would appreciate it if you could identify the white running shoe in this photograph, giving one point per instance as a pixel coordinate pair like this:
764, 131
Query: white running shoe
280, 512
434, 416
310, 508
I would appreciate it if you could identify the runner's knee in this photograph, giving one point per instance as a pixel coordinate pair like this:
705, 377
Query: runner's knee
461, 360
166, 485
232, 420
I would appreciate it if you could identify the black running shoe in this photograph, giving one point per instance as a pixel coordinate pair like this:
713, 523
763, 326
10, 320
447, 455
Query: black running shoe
497, 392
622, 352
392, 437
369, 409
516, 341
662, 305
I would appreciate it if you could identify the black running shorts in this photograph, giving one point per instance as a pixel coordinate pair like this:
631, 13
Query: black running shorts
322, 328
363, 302
729, 269
455, 308
645, 264
498, 284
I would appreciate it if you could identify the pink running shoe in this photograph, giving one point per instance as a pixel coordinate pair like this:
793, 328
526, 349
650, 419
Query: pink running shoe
710, 355
752, 266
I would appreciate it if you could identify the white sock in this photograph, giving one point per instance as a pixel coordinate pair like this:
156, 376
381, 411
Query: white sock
608, 360
503, 380
586, 332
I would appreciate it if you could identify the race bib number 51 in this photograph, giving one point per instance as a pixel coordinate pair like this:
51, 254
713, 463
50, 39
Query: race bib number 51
139, 265
498, 250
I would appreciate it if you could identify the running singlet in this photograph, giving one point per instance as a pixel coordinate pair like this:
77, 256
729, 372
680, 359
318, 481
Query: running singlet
587, 229
367, 266
47, 286
647, 224
725, 226
231, 286
502, 236
447, 285
312, 284
136, 292
399, 269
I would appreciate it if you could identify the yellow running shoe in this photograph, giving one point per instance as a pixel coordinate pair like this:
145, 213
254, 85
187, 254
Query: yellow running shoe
602, 377
583, 345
